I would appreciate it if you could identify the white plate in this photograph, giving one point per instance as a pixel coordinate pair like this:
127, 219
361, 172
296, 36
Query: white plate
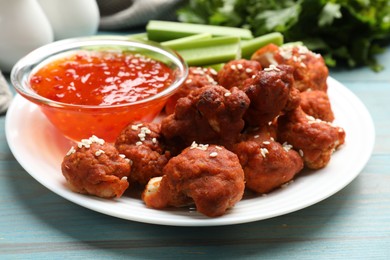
39, 148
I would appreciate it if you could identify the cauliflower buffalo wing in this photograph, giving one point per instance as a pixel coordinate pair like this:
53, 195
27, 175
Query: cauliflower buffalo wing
141, 143
310, 70
197, 77
270, 91
267, 164
95, 167
315, 139
235, 72
208, 176
316, 103
211, 114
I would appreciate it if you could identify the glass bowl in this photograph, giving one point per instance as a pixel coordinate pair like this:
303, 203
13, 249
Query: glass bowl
77, 121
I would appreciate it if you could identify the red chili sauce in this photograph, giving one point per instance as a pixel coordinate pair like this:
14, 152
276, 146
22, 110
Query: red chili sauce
101, 78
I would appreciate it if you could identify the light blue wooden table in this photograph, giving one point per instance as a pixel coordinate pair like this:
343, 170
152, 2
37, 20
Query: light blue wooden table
354, 223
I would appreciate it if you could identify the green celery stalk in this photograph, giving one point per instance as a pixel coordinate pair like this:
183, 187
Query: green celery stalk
217, 67
293, 44
186, 41
211, 51
139, 36
164, 31
251, 46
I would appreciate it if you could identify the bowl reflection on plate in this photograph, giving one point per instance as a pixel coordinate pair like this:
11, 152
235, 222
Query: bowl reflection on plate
78, 121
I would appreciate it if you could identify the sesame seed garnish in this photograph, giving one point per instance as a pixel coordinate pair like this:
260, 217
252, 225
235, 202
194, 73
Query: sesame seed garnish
287, 147
193, 145
95, 139
202, 147
99, 152
124, 178
264, 152
198, 71
142, 134
146, 130
300, 152
285, 52
310, 118
239, 66
256, 136
227, 94
211, 80
188, 81
218, 147
248, 70
213, 71
273, 67
87, 142
71, 151
266, 142
303, 49
233, 67
213, 154
154, 140
135, 127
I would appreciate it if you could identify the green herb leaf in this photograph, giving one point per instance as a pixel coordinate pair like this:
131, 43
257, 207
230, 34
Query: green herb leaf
345, 32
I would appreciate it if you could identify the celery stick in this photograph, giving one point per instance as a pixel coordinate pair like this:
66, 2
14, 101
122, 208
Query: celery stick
211, 51
217, 66
293, 44
250, 46
186, 41
164, 31
139, 36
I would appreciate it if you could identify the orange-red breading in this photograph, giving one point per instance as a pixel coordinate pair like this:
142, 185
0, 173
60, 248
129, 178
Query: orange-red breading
197, 77
267, 164
315, 139
269, 93
294, 99
208, 176
235, 72
95, 167
316, 103
141, 143
211, 114
310, 70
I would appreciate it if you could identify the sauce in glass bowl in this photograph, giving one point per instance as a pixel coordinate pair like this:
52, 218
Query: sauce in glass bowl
101, 78
89, 86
